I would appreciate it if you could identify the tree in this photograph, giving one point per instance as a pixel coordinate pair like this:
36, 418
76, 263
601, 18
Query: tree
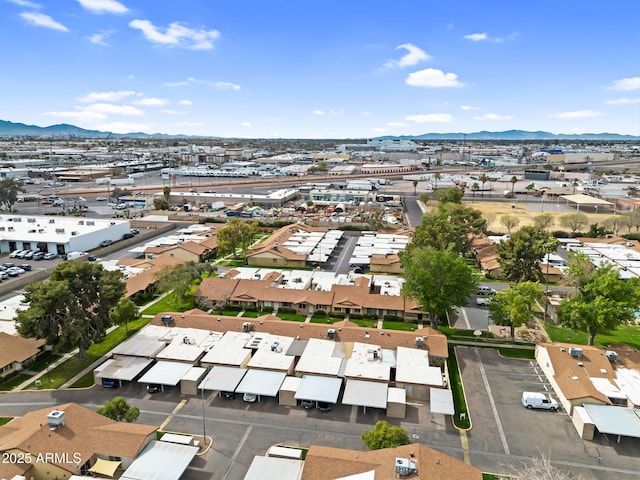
179, 278
385, 435
118, 409
166, 191
120, 192
451, 195
509, 222
436, 176
71, 309
514, 306
574, 221
236, 234
538, 469
613, 224
9, 189
601, 301
160, 204
474, 188
415, 186
513, 181
124, 312
437, 280
375, 221
520, 256
484, 179
544, 221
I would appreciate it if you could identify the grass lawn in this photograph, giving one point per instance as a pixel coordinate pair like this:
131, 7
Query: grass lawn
363, 323
459, 401
66, 370
5, 420
41, 364
248, 314
392, 325
291, 317
170, 303
325, 320
85, 382
629, 334
14, 382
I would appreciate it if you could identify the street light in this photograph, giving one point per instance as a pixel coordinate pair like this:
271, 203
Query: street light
204, 425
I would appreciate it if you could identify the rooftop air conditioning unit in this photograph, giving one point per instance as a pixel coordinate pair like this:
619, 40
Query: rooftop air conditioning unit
275, 347
331, 333
247, 326
419, 342
55, 418
611, 355
575, 352
52, 220
405, 467
80, 222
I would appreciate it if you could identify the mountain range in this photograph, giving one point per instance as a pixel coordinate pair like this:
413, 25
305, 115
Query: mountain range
11, 129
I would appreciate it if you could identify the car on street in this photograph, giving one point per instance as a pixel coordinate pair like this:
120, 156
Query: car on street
49, 256
101, 199
112, 205
484, 290
121, 206
106, 243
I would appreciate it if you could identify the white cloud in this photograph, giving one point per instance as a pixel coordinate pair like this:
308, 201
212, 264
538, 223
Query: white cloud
627, 84
414, 56
42, 20
396, 124
430, 118
171, 112
25, 3
327, 112
576, 114
151, 101
246, 124
176, 84
477, 37
227, 86
100, 37
432, 78
105, 96
103, 6
109, 108
78, 115
177, 35
623, 101
124, 127
493, 116
468, 107
186, 102
319, 112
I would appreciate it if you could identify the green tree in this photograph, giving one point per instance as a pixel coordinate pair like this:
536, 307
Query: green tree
415, 186
385, 435
437, 280
484, 179
449, 227
118, 409
436, 176
235, 235
514, 306
72, 308
179, 278
166, 191
451, 195
474, 188
9, 189
375, 221
544, 221
513, 181
574, 221
613, 224
601, 302
124, 312
509, 222
520, 256
160, 204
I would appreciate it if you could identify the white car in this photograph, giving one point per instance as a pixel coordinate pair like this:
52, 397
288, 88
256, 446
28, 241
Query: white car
15, 253
250, 397
101, 199
49, 256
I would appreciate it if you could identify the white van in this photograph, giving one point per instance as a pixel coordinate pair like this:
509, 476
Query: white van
539, 400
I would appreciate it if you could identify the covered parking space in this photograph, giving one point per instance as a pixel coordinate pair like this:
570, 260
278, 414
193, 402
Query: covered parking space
222, 379
166, 374
582, 200
362, 393
441, 401
315, 388
263, 383
161, 461
614, 420
120, 369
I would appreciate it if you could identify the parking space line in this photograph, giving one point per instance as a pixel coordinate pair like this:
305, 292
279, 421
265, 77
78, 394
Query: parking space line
466, 318
240, 446
170, 417
492, 402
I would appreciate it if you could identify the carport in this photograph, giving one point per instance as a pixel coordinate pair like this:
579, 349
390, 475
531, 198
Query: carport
581, 199
121, 369
263, 383
166, 373
223, 379
613, 420
441, 401
362, 393
161, 461
319, 389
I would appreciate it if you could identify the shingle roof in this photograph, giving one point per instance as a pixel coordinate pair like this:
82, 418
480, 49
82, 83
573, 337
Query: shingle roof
142, 280
14, 348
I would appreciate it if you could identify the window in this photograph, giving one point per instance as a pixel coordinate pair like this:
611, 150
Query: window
302, 306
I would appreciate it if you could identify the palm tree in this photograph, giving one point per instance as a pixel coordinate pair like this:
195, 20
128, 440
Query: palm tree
436, 177
513, 181
484, 179
415, 185
474, 188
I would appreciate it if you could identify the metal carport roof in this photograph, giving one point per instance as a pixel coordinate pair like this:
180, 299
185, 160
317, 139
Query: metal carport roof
365, 394
166, 373
441, 401
615, 420
222, 378
265, 383
272, 468
161, 461
122, 368
319, 389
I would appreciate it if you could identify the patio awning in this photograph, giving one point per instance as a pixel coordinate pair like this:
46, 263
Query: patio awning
105, 467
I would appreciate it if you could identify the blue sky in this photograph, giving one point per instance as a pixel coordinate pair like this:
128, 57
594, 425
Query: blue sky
327, 69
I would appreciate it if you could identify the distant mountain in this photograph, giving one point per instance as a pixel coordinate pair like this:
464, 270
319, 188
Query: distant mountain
517, 135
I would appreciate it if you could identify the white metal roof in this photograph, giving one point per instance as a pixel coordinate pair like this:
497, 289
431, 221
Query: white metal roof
320, 389
272, 468
413, 367
397, 395
226, 355
194, 374
615, 420
441, 401
166, 373
365, 394
122, 368
146, 343
261, 382
161, 461
222, 378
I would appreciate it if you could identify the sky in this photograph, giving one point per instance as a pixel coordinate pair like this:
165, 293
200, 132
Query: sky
322, 69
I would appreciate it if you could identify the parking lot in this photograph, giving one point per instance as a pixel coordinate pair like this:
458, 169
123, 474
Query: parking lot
509, 432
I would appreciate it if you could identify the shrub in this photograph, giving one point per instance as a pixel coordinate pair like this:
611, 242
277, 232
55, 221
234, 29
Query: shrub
356, 316
251, 308
392, 318
267, 309
319, 313
336, 314
287, 310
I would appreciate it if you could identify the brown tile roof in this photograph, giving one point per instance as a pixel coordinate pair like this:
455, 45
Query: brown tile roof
628, 356
216, 288
551, 270
84, 432
14, 348
330, 463
384, 259
191, 247
435, 342
280, 236
142, 280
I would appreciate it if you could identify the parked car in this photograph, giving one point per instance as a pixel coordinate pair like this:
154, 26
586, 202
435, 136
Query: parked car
8, 265
25, 266
127, 235
228, 395
307, 404
101, 199
3, 274
30, 254
154, 388
539, 400
22, 253
323, 407
135, 231
14, 271
49, 256
109, 383
15, 253
483, 290
106, 243
38, 256
250, 397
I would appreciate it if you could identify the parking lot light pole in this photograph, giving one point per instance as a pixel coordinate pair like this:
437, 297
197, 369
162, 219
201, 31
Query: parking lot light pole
204, 423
